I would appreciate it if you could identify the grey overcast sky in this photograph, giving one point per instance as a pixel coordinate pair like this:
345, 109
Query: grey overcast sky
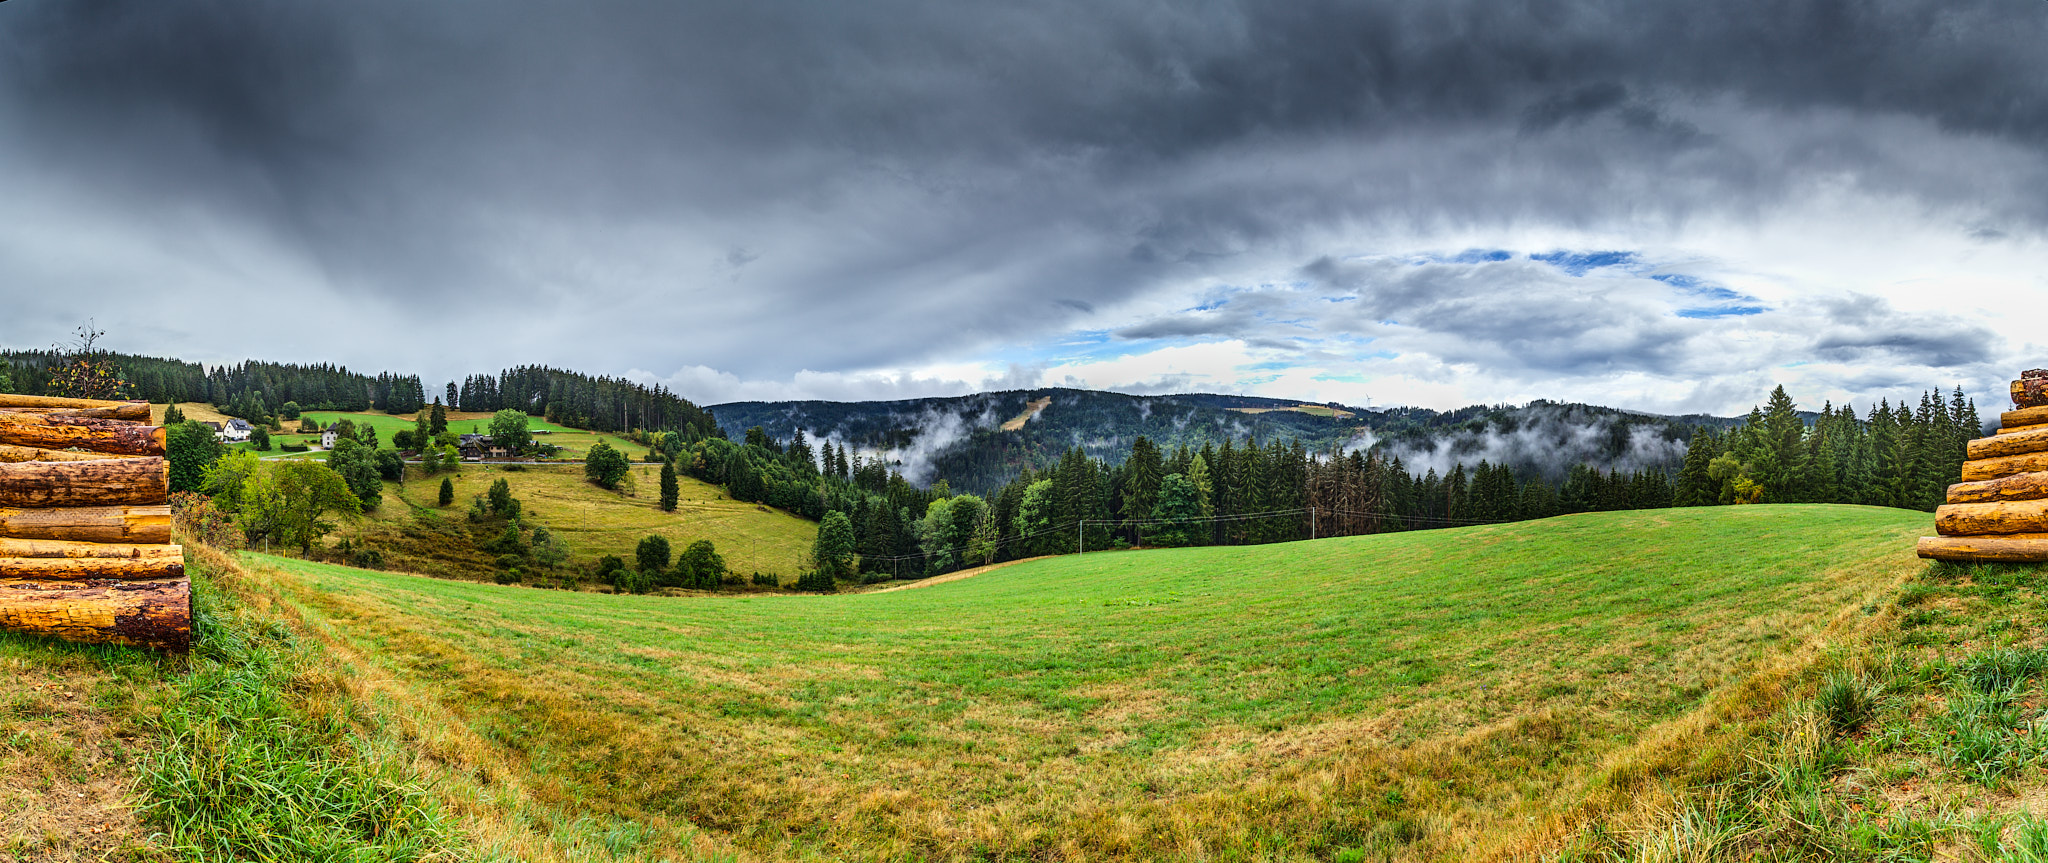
1657, 205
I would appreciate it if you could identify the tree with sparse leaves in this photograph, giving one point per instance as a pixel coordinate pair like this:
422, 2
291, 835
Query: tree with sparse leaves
85, 371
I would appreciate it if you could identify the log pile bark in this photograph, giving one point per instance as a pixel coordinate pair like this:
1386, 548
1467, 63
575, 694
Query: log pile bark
1999, 512
85, 525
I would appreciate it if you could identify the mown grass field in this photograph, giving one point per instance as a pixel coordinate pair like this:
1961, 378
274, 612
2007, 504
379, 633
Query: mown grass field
593, 521
1460, 694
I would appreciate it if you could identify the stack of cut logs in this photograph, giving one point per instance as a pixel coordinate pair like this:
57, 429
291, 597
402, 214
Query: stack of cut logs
85, 526
1999, 512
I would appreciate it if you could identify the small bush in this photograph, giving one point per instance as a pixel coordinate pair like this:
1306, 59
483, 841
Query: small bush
294, 447
816, 582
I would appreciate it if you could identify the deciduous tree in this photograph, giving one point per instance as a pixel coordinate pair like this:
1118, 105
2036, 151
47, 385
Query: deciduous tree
605, 466
508, 430
287, 500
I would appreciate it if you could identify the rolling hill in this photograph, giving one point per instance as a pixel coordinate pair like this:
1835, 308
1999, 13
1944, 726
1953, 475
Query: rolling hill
416, 534
979, 442
1455, 694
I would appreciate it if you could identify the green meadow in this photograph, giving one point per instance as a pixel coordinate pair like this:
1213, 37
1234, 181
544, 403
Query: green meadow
1452, 694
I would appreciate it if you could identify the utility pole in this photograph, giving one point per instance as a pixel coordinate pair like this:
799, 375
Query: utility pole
1080, 531
1311, 523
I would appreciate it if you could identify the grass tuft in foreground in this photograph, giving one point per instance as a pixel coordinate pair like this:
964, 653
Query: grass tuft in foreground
1919, 738
260, 754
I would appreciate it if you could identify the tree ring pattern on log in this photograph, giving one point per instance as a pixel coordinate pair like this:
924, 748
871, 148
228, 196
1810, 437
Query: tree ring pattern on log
2030, 392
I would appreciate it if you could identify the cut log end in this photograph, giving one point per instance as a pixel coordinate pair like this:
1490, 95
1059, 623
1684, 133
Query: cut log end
2030, 392
1984, 549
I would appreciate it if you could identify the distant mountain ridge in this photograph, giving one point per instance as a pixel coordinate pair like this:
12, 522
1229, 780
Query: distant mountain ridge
964, 439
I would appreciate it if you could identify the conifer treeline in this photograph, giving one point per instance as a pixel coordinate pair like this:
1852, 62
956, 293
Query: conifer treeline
580, 400
251, 386
1251, 493
1897, 456
253, 389
1236, 494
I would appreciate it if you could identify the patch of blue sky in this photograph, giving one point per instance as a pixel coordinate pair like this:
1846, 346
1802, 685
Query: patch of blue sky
1268, 366
1208, 306
1344, 299
1257, 380
1335, 378
1481, 256
1581, 263
1703, 289
1711, 312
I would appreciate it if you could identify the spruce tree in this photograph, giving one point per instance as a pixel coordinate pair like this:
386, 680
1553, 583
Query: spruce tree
447, 491
833, 552
670, 491
1695, 487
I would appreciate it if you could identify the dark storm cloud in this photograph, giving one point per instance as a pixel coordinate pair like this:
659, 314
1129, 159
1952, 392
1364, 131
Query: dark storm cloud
660, 185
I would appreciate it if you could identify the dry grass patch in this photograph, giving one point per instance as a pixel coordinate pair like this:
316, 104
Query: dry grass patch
68, 739
594, 522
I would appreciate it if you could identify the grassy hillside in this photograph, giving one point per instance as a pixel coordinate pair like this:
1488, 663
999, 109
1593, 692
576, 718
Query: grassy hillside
575, 443
594, 522
1456, 694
